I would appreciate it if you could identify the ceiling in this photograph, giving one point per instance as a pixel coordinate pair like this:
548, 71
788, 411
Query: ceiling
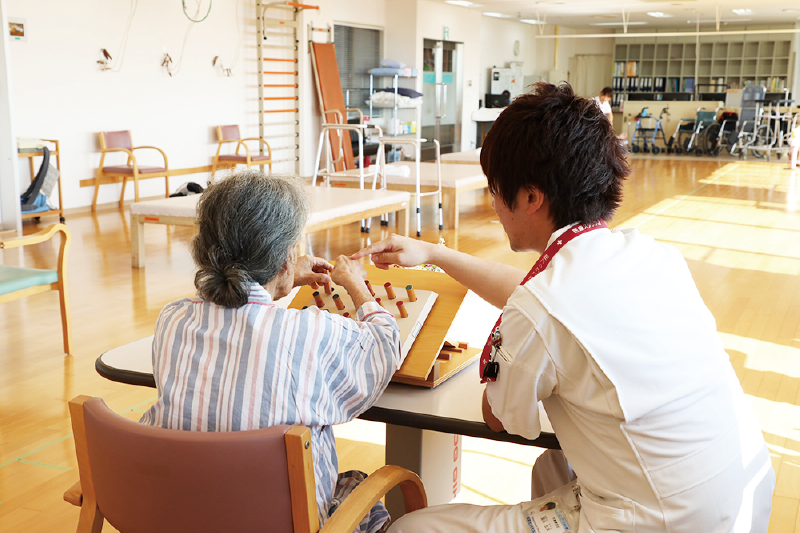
598, 15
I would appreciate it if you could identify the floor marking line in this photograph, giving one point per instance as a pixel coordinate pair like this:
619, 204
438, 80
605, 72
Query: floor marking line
47, 465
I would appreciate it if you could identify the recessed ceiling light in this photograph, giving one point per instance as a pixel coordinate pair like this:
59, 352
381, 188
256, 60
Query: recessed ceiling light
496, 15
658, 14
462, 3
531, 21
742, 12
618, 23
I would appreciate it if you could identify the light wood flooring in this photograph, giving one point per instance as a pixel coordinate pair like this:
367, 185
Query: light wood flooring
735, 222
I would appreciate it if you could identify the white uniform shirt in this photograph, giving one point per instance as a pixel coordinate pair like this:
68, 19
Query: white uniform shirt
605, 107
616, 342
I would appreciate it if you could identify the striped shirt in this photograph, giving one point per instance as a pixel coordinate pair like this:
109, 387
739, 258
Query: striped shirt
260, 365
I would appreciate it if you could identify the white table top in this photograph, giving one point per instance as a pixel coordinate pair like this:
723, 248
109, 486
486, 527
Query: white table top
456, 403
456, 176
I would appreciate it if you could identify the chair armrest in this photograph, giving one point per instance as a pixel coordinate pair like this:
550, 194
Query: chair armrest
358, 504
262, 141
74, 494
35, 238
356, 110
154, 148
106, 150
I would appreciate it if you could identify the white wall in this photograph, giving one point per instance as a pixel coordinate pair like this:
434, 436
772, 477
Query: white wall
9, 190
61, 93
497, 50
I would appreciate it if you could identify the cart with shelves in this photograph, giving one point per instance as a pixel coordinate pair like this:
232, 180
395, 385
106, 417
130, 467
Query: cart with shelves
392, 129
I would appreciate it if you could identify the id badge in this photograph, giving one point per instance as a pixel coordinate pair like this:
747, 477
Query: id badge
548, 516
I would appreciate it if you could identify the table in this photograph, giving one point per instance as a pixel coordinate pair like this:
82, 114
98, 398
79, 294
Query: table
470, 157
423, 426
330, 208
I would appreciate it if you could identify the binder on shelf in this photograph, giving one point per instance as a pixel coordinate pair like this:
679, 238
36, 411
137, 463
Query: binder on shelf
688, 85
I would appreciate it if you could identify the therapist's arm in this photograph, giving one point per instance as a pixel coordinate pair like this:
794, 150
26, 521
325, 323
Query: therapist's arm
492, 281
488, 417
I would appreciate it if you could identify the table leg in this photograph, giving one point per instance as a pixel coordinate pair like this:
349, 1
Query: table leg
434, 456
450, 200
137, 241
402, 220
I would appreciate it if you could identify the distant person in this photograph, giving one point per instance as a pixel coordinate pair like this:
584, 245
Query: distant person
506, 98
604, 101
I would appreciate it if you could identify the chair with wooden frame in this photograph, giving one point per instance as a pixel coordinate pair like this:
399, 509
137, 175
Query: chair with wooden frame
230, 134
146, 478
121, 141
19, 282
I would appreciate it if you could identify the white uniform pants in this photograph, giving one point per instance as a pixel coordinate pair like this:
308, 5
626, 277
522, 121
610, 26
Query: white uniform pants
551, 474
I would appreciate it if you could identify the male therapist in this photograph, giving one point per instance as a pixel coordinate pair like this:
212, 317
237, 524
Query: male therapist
609, 332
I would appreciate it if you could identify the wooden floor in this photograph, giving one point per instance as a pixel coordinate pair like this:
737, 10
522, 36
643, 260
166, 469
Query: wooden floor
736, 224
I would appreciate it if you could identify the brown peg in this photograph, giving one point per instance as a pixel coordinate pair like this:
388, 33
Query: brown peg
369, 286
402, 309
338, 302
389, 290
327, 286
318, 300
346, 314
412, 296
378, 301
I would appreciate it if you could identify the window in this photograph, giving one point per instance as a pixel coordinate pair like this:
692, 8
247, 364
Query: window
357, 51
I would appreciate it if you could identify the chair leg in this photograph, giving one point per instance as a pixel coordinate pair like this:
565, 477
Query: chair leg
166, 184
91, 518
66, 326
135, 187
96, 190
122, 193
213, 170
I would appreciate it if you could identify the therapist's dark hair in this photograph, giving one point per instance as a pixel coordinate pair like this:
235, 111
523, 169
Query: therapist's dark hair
562, 145
247, 225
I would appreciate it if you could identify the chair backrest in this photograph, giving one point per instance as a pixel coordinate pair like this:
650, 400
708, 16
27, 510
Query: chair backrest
116, 139
228, 133
153, 479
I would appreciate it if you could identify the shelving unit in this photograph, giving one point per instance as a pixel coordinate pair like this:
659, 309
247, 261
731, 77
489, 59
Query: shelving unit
392, 130
672, 70
56, 153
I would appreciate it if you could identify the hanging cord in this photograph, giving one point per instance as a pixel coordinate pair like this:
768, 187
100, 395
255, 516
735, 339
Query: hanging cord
227, 70
117, 65
197, 13
167, 62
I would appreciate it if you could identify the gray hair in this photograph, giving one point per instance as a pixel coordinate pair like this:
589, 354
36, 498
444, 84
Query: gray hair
247, 224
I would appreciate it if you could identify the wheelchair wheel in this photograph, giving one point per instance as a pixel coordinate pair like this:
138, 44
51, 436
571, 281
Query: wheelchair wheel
711, 139
678, 150
635, 148
656, 150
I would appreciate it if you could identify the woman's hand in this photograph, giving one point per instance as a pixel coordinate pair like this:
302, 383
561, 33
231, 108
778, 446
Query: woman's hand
310, 270
397, 250
351, 275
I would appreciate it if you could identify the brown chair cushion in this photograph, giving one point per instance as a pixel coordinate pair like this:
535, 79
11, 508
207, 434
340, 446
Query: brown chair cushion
243, 158
118, 139
128, 169
154, 479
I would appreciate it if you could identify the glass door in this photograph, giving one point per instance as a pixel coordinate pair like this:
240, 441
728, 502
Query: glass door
442, 95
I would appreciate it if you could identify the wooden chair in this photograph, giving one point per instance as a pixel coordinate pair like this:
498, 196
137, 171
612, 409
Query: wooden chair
121, 141
145, 478
19, 282
231, 134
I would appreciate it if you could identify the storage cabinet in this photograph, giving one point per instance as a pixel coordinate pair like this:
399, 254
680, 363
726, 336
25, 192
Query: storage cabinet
682, 70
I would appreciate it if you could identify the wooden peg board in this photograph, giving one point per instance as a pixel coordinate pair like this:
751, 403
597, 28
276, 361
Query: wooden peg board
409, 327
421, 366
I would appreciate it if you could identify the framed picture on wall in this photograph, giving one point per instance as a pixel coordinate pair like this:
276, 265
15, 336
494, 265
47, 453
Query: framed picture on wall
16, 29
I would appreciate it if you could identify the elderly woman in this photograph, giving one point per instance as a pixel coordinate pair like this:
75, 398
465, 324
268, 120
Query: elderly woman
230, 359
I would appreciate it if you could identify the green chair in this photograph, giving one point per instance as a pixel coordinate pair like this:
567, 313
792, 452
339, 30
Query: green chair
19, 282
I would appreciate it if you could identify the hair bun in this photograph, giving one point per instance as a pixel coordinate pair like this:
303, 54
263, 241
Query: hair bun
227, 286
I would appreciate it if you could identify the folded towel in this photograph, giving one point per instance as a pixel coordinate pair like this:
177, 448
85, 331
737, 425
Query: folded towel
400, 171
393, 63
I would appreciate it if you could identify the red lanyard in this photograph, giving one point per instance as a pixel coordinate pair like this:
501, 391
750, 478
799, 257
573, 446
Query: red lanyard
488, 368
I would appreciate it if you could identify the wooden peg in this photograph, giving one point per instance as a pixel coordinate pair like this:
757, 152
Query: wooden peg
346, 314
412, 296
389, 291
338, 302
378, 300
327, 286
369, 286
402, 309
318, 300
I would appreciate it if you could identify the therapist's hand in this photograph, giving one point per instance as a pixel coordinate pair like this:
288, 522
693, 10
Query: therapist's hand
310, 270
397, 250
